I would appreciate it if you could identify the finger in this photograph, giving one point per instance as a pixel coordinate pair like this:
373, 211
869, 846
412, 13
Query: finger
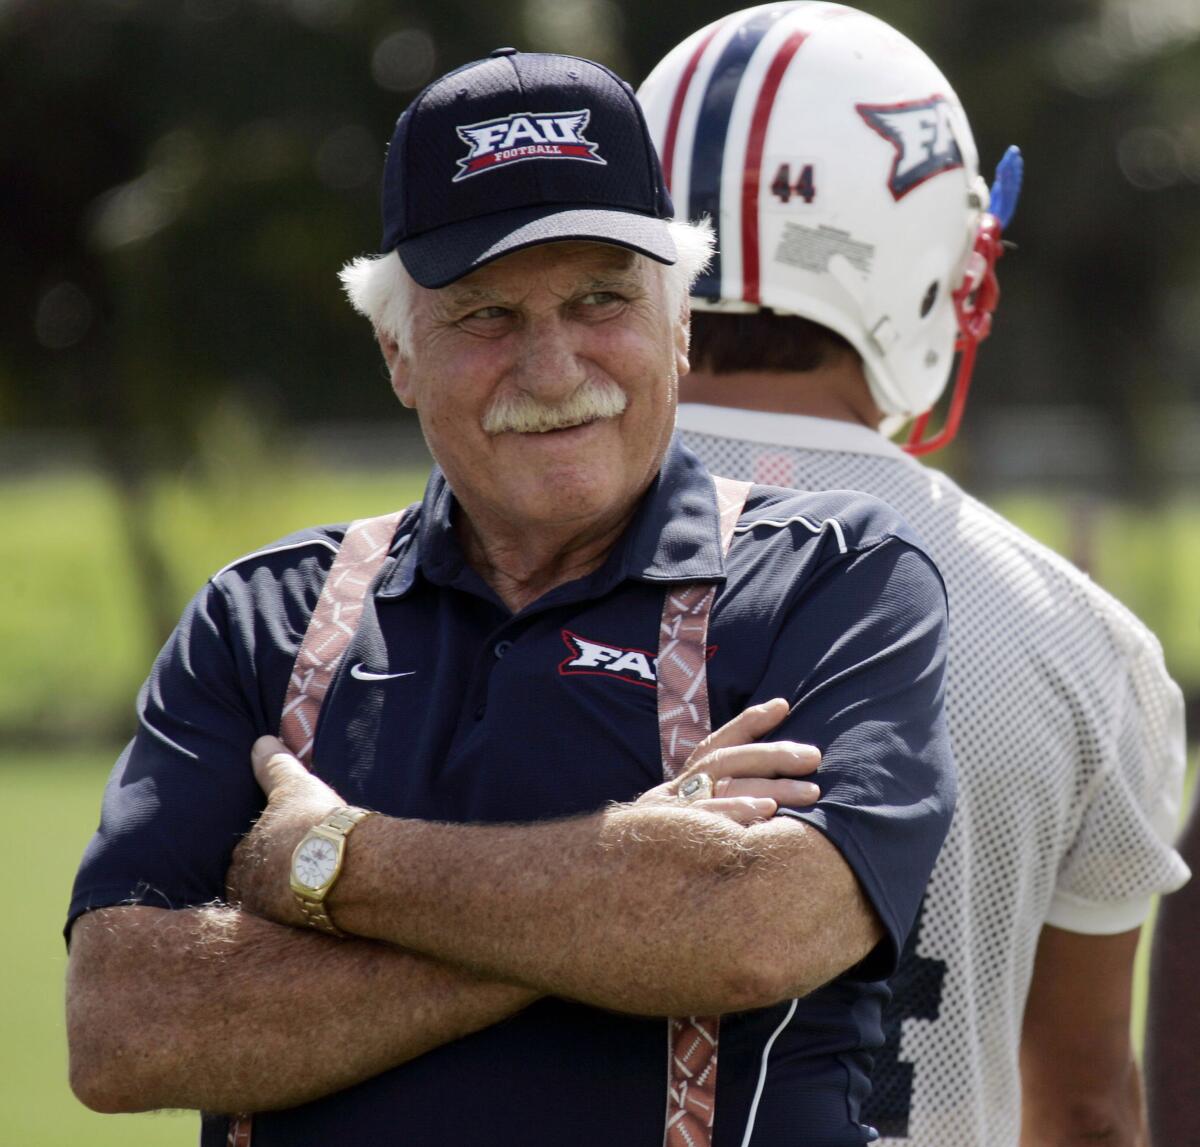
742, 810
660, 794
274, 764
747, 726
788, 793
764, 759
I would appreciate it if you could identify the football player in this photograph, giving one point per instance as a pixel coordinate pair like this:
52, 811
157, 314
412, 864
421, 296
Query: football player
857, 246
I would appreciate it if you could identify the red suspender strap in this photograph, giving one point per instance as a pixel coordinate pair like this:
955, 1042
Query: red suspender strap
683, 722
241, 1128
333, 623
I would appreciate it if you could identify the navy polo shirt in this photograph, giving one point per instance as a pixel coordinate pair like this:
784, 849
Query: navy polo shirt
448, 707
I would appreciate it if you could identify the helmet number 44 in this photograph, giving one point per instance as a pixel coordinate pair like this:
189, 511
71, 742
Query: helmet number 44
804, 188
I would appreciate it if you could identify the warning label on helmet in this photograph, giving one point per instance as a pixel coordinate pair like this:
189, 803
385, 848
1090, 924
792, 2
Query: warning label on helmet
811, 248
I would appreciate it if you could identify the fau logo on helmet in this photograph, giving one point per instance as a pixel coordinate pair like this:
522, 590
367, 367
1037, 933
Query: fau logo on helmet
921, 133
528, 135
634, 665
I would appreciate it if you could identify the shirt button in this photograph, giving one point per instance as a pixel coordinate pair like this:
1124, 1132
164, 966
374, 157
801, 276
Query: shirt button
502, 647
479, 712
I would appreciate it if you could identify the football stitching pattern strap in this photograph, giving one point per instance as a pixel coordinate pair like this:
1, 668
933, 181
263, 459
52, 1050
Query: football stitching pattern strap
683, 722
240, 1130
331, 627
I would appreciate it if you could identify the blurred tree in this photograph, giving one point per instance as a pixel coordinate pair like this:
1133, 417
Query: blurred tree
179, 189
181, 179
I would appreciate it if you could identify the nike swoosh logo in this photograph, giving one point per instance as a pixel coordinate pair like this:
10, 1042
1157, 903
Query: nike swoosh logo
360, 672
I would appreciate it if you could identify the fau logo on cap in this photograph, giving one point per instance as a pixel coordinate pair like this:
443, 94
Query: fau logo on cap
527, 135
921, 133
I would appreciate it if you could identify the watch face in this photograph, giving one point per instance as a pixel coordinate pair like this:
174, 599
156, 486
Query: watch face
315, 862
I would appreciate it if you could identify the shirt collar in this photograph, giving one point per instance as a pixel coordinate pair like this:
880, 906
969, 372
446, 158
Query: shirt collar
772, 429
674, 535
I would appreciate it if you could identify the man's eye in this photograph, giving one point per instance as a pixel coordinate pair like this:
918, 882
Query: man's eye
600, 298
488, 313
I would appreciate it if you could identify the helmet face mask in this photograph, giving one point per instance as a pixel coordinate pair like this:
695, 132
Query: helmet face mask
839, 170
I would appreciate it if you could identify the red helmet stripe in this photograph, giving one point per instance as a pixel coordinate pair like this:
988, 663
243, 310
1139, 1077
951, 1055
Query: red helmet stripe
752, 168
685, 82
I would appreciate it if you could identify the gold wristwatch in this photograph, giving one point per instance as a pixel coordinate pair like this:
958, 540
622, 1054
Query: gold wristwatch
317, 863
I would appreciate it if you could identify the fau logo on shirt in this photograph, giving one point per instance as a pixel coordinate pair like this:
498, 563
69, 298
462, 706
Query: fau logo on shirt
529, 135
592, 657
922, 135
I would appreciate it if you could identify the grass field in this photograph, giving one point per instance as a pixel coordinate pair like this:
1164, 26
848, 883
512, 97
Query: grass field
72, 609
56, 799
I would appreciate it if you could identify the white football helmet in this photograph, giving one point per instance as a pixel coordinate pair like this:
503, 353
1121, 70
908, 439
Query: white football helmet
838, 169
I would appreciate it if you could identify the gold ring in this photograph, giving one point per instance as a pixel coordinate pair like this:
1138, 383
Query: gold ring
697, 787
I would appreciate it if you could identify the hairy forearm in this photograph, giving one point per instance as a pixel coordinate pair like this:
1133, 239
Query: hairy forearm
650, 909
215, 1009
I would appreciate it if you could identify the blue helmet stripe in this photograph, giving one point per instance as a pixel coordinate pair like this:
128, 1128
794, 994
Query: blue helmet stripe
712, 129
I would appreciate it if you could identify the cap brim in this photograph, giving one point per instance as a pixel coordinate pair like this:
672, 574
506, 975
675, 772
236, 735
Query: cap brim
439, 257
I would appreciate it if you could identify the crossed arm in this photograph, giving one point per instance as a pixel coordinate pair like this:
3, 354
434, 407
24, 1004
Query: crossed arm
214, 1008
469, 924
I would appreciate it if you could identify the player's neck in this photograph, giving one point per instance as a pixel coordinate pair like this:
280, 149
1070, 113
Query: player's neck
838, 391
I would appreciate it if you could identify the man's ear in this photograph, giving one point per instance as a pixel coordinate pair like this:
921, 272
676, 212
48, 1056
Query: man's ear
397, 366
682, 338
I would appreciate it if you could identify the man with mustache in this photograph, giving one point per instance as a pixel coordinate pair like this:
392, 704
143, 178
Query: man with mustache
521, 899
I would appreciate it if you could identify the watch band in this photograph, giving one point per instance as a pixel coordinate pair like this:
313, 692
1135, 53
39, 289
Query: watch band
315, 916
342, 822
343, 819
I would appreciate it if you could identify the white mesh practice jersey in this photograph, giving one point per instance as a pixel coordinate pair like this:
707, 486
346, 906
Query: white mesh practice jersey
1068, 734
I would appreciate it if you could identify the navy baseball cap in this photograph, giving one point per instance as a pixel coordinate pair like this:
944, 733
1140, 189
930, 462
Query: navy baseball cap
519, 149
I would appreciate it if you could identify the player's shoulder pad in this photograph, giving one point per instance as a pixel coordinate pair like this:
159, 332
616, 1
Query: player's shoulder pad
1077, 600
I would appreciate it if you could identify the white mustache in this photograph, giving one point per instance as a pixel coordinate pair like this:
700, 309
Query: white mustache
525, 414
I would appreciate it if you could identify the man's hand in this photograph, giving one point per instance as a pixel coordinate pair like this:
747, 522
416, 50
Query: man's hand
751, 779
258, 877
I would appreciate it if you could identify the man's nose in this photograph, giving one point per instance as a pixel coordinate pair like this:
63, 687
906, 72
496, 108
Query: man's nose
549, 364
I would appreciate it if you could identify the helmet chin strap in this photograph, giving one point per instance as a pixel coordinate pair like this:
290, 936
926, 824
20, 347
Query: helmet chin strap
975, 300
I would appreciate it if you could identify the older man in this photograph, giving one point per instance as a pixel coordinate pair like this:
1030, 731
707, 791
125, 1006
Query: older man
494, 954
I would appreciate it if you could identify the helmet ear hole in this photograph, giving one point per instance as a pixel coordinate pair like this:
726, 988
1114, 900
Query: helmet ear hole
931, 294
